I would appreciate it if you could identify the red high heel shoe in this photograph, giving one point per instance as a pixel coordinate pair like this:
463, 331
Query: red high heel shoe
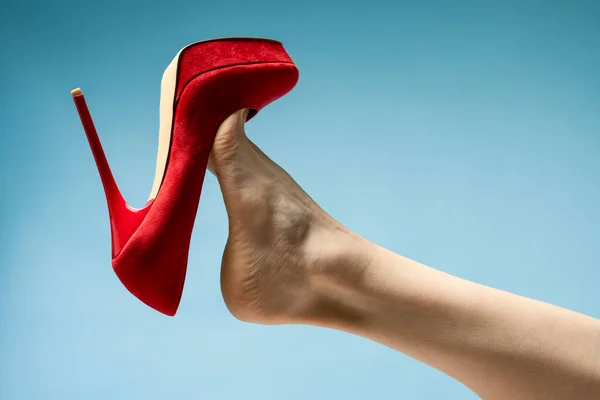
204, 84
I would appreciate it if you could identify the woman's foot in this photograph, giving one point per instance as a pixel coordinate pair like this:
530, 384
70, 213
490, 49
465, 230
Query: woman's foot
280, 241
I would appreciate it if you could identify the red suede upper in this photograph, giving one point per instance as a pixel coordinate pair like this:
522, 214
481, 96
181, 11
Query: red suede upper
221, 53
215, 79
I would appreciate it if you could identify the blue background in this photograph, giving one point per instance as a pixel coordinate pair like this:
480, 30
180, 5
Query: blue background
465, 135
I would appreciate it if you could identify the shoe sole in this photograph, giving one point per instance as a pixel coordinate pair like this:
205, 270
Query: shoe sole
167, 106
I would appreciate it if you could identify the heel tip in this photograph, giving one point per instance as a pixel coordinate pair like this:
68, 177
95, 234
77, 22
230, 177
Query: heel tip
76, 92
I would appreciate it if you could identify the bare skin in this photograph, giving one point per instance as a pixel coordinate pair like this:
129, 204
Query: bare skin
288, 262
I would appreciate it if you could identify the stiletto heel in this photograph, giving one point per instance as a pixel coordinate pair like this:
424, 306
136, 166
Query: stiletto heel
206, 82
124, 220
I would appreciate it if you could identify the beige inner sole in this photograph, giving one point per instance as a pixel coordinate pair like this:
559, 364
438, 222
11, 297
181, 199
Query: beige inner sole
167, 97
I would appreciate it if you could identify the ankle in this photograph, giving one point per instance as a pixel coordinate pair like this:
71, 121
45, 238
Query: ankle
339, 264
